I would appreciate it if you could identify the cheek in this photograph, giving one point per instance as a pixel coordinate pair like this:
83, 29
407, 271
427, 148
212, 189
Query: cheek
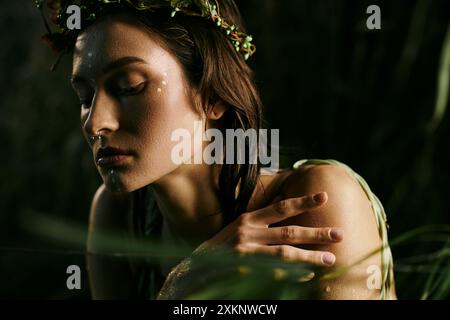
161, 113
155, 117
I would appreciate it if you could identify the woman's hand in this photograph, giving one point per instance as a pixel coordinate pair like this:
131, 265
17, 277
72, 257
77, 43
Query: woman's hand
251, 233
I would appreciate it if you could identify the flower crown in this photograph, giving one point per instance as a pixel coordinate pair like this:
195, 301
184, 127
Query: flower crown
91, 10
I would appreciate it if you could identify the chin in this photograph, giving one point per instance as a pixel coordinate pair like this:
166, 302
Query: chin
129, 178
117, 181
121, 182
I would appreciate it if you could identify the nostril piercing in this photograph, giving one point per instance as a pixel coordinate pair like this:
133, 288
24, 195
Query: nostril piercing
92, 140
101, 139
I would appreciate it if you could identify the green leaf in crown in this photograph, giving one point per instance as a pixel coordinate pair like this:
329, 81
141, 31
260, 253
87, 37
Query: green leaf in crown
92, 9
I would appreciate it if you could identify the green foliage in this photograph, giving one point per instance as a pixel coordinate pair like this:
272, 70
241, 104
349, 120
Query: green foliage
375, 100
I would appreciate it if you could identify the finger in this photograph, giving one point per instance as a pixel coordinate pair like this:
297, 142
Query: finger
291, 254
284, 209
296, 235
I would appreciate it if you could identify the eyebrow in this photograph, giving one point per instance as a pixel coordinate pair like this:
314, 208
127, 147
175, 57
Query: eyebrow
119, 63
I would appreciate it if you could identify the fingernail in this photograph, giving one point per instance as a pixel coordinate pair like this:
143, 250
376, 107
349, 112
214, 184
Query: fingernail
319, 197
328, 259
336, 234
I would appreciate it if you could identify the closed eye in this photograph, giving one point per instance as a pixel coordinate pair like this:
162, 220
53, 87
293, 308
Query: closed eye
132, 90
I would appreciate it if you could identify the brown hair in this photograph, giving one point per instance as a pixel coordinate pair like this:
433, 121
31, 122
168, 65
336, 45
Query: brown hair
213, 66
219, 73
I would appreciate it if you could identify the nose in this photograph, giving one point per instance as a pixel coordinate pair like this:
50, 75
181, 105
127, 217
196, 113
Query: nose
103, 115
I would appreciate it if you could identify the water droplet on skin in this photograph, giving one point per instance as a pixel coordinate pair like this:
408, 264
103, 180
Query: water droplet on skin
159, 90
114, 181
327, 289
164, 83
165, 74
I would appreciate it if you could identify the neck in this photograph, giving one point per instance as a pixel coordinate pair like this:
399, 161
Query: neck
189, 203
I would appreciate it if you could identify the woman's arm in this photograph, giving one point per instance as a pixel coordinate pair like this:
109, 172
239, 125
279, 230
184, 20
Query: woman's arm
347, 208
251, 233
109, 277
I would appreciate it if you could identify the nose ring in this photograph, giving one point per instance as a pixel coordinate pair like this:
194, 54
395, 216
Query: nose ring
101, 139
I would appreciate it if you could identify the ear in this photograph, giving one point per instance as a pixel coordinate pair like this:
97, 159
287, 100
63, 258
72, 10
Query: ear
217, 111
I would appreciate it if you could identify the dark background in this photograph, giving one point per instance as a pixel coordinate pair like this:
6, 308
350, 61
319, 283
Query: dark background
335, 89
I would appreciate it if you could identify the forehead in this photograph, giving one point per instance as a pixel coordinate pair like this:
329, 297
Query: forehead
113, 38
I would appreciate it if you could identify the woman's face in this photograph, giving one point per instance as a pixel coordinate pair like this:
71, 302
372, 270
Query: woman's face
133, 93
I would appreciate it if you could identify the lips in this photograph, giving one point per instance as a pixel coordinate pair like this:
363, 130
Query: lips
111, 157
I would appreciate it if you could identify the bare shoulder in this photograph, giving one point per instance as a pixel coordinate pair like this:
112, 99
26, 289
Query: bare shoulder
109, 212
109, 277
344, 192
348, 208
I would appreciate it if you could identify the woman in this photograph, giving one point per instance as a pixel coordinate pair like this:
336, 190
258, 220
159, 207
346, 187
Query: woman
141, 73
